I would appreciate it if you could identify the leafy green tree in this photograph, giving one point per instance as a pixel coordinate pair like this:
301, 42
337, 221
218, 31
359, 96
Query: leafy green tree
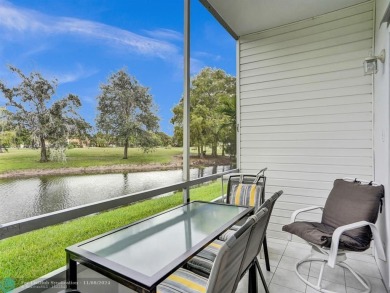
126, 110
8, 138
177, 121
23, 137
53, 122
208, 91
7, 135
100, 140
228, 129
165, 139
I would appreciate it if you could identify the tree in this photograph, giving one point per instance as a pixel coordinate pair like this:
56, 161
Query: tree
53, 122
126, 110
165, 139
6, 133
228, 129
23, 137
208, 89
100, 140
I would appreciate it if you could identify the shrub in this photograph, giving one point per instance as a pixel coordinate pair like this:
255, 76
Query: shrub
57, 155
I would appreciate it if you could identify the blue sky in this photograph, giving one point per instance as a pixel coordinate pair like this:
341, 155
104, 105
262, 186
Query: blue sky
82, 42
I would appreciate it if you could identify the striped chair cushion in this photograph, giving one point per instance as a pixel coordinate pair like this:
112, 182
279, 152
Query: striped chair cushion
183, 281
225, 235
203, 261
243, 194
246, 194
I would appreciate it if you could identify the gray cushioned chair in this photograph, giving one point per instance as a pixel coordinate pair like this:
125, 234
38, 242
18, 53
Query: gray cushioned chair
224, 275
347, 224
203, 262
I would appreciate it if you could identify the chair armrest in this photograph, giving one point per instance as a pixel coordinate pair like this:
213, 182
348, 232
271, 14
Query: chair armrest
340, 230
297, 212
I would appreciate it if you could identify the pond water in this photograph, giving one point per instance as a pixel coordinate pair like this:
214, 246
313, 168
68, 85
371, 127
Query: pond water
23, 198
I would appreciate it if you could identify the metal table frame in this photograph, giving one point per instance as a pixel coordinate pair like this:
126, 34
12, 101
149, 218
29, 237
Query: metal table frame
131, 278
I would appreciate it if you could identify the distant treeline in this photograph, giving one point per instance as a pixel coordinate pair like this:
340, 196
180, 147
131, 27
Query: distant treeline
127, 115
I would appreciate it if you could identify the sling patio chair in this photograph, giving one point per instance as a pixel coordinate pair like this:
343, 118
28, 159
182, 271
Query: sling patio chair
248, 189
347, 224
257, 239
224, 275
203, 262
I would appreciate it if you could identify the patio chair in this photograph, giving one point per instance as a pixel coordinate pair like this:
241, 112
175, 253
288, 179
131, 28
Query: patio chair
224, 275
203, 262
246, 189
347, 224
249, 189
257, 239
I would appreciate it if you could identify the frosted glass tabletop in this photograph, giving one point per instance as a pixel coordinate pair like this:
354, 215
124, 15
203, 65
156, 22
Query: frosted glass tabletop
150, 245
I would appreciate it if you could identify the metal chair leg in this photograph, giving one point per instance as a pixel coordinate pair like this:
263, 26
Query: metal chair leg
266, 254
261, 275
252, 280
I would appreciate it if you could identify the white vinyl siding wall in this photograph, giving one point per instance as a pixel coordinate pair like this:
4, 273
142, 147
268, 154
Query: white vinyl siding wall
306, 107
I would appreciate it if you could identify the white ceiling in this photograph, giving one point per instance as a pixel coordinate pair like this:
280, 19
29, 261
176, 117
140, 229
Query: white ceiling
249, 16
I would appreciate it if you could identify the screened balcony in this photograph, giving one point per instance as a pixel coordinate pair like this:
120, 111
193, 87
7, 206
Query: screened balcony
308, 113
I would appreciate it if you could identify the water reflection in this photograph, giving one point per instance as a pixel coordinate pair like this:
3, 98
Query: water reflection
53, 194
23, 198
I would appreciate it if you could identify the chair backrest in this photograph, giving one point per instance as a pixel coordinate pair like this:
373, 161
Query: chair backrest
225, 273
259, 229
257, 235
350, 202
247, 189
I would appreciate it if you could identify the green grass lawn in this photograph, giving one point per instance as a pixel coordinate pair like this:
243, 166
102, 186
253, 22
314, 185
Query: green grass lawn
23, 159
31, 255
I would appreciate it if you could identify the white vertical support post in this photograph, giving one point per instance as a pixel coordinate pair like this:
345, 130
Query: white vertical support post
186, 100
238, 107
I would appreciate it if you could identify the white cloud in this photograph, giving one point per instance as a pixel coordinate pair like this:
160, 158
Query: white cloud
89, 100
16, 20
201, 54
78, 73
36, 50
165, 34
20, 20
196, 66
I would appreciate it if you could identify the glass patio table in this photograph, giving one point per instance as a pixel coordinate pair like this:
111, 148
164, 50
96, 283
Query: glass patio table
141, 255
